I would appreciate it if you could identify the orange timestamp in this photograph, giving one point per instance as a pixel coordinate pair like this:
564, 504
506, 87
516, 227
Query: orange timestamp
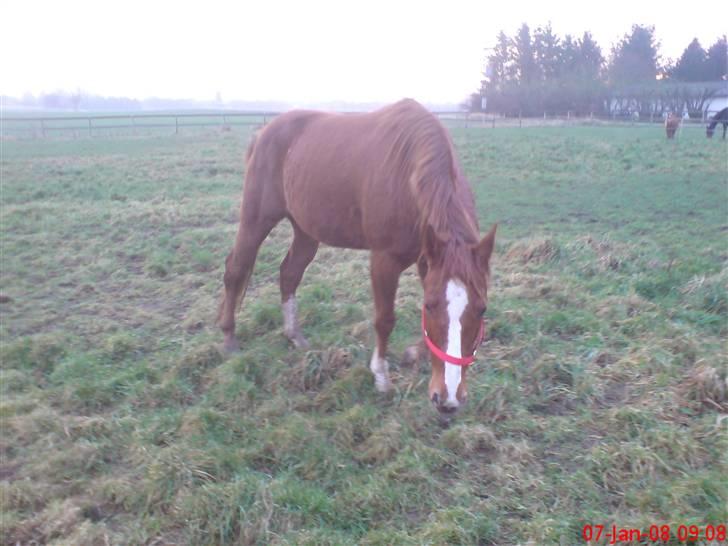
595, 533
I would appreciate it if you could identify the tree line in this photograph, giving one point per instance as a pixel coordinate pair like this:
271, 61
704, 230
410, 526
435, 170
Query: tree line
535, 72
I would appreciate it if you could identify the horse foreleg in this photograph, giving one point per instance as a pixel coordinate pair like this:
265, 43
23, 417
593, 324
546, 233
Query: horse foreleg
385, 272
238, 268
302, 251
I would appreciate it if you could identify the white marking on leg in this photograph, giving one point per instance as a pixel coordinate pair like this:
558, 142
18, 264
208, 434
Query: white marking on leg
289, 308
380, 369
457, 301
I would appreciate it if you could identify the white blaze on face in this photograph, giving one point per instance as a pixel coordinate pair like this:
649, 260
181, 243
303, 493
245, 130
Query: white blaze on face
457, 301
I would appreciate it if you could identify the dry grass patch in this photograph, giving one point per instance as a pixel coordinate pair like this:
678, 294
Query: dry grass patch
706, 385
609, 254
194, 365
537, 250
56, 521
619, 308
354, 425
384, 442
709, 292
468, 440
317, 367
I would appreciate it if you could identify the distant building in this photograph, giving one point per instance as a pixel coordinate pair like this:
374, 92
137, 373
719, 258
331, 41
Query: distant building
696, 99
717, 102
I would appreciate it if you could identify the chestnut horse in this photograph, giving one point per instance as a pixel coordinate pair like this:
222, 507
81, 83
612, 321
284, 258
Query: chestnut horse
672, 123
720, 117
386, 181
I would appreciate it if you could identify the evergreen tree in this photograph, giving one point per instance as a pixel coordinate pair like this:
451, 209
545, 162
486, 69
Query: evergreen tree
716, 61
590, 60
634, 59
548, 53
691, 66
524, 56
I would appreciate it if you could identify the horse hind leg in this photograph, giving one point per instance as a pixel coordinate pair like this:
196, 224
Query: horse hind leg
302, 251
238, 269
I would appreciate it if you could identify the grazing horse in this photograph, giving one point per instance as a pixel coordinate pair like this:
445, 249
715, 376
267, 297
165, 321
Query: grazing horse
720, 117
672, 122
388, 182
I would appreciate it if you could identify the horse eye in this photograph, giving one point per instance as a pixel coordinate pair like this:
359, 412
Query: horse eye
430, 306
482, 311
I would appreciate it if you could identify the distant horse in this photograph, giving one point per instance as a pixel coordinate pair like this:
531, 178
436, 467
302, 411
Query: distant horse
720, 117
672, 122
388, 182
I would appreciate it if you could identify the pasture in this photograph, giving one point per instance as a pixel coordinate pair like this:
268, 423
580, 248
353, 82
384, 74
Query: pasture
600, 396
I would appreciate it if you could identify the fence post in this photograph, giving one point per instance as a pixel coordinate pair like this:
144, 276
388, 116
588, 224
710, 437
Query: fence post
493, 121
176, 125
520, 122
42, 127
89, 126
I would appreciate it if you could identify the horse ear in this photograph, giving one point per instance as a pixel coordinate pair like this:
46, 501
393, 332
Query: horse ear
484, 248
432, 246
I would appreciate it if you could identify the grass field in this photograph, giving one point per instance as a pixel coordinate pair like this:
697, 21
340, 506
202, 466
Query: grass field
600, 396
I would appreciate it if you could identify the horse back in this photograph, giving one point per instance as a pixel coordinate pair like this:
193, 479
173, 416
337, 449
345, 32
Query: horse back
365, 181
348, 177
265, 159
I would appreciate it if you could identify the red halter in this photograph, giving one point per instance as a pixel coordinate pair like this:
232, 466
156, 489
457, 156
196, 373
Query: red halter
442, 355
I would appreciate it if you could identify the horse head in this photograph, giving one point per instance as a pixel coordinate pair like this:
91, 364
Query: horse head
455, 277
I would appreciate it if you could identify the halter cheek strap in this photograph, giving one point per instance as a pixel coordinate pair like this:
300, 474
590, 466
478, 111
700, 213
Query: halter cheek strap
442, 355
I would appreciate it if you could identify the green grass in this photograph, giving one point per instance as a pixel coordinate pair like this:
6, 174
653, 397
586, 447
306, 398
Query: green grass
597, 399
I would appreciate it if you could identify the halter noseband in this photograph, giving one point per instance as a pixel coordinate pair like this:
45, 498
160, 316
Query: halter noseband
442, 355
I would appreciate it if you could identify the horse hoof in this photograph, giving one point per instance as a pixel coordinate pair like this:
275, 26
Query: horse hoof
300, 342
231, 346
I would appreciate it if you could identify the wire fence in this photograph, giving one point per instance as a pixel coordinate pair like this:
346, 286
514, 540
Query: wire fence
80, 126
77, 126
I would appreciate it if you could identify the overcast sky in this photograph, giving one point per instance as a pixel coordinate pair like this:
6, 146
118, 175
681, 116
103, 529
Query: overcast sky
302, 51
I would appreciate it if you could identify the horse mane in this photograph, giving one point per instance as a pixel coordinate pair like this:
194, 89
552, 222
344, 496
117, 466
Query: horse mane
422, 148
421, 145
